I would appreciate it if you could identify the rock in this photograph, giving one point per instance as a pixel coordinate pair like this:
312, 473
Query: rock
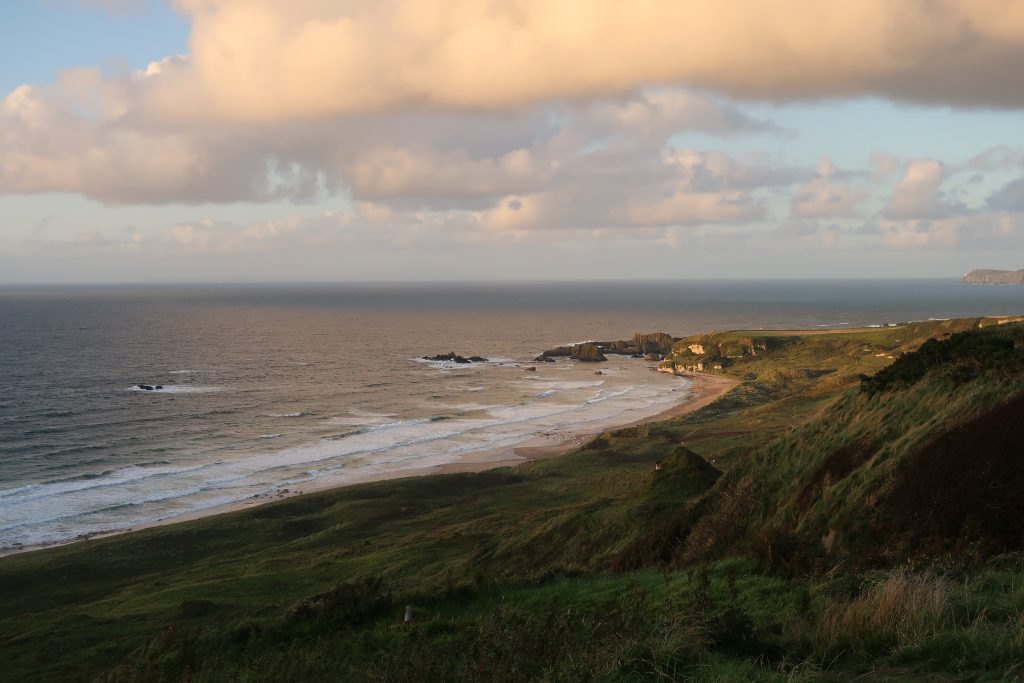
587, 352
599, 372
159, 386
543, 358
653, 342
144, 386
530, 369
453, 357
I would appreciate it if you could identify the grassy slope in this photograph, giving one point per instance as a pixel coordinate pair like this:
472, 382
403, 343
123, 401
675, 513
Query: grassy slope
477, 553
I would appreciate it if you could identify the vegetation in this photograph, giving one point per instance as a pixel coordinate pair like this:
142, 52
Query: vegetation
800, 528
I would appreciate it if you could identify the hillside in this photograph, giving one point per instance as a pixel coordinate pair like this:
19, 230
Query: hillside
850, 508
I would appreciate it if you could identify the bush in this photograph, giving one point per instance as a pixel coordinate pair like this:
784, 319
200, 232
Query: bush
962, 356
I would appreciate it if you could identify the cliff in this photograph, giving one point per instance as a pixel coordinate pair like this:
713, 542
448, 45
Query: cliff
994, 277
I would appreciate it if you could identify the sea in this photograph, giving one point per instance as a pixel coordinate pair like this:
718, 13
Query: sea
274, 387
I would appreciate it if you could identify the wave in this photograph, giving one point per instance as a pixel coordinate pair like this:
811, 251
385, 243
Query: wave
301, 413
569, 386
155, 497
118, 477
175, 389
380, 442
268, 436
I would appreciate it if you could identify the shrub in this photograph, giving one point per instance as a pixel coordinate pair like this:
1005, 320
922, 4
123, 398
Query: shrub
963, 356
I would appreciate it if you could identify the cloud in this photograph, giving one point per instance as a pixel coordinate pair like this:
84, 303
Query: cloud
883, 165
73, 138
1010, 197
918, 196
266, 60
824, 197
695, 208
82, 135
981, 230
996, 158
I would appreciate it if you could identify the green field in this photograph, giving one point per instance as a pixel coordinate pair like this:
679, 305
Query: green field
851, 508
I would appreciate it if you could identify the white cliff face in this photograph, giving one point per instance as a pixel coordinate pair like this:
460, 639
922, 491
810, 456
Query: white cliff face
697, 349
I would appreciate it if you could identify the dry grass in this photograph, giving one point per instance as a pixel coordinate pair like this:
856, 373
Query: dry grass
906, 607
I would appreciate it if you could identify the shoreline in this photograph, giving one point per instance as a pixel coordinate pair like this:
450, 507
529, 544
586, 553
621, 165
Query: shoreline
703, 390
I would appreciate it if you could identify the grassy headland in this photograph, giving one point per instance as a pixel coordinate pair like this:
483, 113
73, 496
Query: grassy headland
852, 506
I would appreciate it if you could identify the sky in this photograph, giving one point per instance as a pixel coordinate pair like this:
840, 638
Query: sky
355, 140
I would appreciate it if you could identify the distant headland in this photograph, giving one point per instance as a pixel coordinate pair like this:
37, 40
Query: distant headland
994, 277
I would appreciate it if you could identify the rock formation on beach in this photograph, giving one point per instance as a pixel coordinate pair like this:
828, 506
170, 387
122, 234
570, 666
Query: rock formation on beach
655, 342
994, 277
587, 352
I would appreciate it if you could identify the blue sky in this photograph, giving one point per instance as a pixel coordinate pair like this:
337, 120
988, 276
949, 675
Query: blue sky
43, 37
847, 175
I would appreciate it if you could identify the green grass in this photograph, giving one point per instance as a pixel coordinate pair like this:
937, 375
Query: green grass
590, 566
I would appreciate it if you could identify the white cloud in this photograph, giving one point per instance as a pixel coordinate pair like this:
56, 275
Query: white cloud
824, 196
918, 195
268, 60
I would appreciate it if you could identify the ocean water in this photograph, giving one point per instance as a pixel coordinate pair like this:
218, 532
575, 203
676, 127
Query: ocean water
269, 387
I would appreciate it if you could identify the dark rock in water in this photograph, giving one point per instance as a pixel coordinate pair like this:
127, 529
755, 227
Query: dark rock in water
530, 369
441, 356
453, 357
587, 352
542, 358
144, 386
159, 386
599, 372
558, 351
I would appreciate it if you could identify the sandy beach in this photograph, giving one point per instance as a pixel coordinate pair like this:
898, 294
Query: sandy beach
703, 390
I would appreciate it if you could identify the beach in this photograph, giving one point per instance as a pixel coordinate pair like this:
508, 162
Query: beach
702, 391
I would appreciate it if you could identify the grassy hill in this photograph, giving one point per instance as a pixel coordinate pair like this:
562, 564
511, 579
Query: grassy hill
851, 507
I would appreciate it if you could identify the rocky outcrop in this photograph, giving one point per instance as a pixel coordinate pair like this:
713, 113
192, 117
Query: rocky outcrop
654, 342
994, 277
587, 352
653, 345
